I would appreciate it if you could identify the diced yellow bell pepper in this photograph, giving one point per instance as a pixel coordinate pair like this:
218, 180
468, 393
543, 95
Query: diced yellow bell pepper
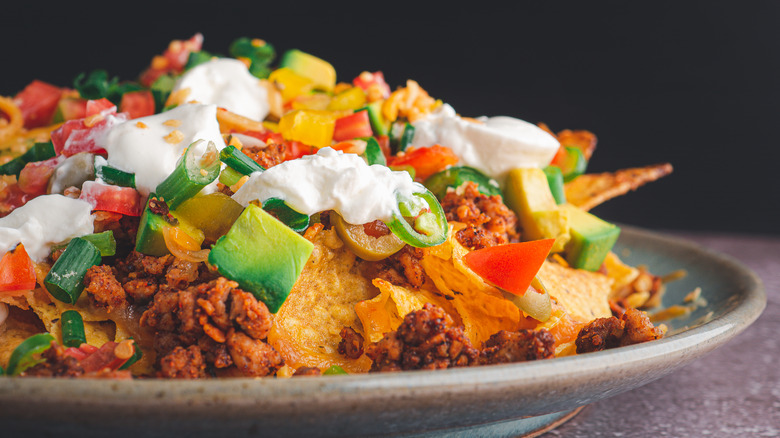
318, 70
310, 127
350, 99
290, 83
314, 101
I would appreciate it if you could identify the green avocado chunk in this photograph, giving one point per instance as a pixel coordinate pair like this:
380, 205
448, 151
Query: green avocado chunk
591, 239
319, 71
264, 256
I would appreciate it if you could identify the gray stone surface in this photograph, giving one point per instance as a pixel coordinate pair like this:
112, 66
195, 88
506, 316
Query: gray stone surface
733, 391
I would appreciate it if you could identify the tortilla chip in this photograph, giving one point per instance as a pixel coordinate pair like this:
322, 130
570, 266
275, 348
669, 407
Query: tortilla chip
589, 190
306, 328
482, 309
385, 312
19, 326
582, 293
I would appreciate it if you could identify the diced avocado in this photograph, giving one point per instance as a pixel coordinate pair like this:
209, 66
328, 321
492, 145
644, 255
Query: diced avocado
591, 239
379, 124
262, 255
528, 194
321, 72
555, 181
70, 108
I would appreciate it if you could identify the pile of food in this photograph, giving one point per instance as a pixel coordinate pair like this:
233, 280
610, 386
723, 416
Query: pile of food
243, 216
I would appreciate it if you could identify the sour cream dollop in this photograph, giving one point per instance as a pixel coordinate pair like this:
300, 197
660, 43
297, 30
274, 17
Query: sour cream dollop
43, 222
331, 180
226, 83
151, 146
495, 146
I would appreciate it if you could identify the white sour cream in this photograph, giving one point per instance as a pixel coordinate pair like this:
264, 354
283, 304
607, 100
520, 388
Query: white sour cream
226, 83
151, 146
331, 180
43, 222
495, 146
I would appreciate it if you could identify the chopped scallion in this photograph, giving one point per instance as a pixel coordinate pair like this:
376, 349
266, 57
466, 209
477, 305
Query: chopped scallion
72, 329
112, 175
65, 279
191, 175
239, 161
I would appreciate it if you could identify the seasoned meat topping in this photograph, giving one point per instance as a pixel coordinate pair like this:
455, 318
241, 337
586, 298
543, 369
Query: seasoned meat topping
524, 345
427, 339
488, 221
183, 363
351, 344
55, 364
633, 327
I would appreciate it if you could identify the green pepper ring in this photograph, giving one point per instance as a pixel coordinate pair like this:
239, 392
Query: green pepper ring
401, 228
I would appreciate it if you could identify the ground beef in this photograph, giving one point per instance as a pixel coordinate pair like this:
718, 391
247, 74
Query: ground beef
351, 344
403, 268
633, 327
183, 363
226, 324
488, 221
181, 273
55, 364
307, 371
269, 156
427, 339
253, 358
103, 289
520, 346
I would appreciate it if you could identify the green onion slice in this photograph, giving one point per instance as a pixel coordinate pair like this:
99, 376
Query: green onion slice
72, 329
65, 279
191, 175
239, 161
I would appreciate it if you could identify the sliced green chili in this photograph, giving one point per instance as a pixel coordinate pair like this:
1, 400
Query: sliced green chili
298, 222
72, 329
454, 177
406, 137
137, 355
65, 279
23, 356
373, 153
335, 370
191, 175
239, 161
430, 227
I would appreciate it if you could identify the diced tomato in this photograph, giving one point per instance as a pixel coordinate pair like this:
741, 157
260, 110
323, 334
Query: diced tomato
296, 149
172, 60
426, 161
37, 102
100, 106
72, 108
266, 136
560, 157
103, 358
17, 271
137, 104
377, 79
34, 177
106, 197
355, 125
384, 145
511, 267
351, 146
11, 197
75, 136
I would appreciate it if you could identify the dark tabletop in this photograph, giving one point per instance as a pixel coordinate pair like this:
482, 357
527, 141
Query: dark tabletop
733, 391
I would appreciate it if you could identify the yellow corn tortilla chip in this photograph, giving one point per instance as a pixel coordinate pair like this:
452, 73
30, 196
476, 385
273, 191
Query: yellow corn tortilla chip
582, 293
19, 326
589, 190
306, 328
385, 312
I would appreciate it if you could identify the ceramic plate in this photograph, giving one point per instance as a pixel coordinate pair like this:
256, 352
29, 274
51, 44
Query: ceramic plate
495, 400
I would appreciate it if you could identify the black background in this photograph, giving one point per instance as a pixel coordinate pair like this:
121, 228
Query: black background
692, 83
